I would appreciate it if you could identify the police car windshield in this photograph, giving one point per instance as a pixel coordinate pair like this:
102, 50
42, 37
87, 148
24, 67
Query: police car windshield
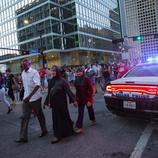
143, 71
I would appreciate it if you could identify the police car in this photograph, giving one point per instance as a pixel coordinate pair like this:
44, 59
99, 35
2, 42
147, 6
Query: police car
136, 93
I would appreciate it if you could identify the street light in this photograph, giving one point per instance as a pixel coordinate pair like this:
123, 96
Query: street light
26, 22
89, 42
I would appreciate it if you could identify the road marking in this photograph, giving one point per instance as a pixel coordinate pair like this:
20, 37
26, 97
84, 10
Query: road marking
142, 142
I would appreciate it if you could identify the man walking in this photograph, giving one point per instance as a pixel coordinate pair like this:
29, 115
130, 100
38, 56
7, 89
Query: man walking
12, 85
32, 100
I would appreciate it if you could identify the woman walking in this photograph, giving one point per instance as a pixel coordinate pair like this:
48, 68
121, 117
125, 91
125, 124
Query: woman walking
85, 97
2, 94
58, 89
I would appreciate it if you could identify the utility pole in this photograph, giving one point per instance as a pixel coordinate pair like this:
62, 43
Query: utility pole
27, 22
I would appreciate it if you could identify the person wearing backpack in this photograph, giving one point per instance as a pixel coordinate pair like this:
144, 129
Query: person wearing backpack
85, 97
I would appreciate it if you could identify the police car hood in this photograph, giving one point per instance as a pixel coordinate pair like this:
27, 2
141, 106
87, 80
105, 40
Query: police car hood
137, 80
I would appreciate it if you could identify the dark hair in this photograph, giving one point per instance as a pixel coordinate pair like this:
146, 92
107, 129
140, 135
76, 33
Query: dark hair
106, 66
1, 75
27, 61
80, 69
8, 70
58, 71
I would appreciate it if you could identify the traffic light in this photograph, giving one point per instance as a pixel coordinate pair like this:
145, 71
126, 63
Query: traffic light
24, 52
138, 38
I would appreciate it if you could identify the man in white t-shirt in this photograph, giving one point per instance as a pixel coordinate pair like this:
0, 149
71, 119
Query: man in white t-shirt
32, 100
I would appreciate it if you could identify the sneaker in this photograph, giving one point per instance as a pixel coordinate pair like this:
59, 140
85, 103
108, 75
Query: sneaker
13, 104
9, 110
55, 140
43, 134
92, 123
21, 141
78, 130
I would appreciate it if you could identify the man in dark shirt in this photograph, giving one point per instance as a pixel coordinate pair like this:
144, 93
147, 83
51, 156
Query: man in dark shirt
10, 83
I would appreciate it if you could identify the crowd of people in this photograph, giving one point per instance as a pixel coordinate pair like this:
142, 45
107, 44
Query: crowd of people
57, 83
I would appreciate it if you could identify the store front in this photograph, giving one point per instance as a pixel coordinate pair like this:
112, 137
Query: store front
63, 58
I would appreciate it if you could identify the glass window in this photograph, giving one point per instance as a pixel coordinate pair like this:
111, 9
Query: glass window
143, 71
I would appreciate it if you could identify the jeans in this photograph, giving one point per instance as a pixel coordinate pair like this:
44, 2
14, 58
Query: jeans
3, 98
27, 108
81, 108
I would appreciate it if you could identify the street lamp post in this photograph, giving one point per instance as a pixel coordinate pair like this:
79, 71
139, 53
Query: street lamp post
89, 42
41, 52
26, 22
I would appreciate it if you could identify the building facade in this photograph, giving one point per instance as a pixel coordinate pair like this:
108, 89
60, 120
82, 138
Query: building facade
142, 19
69, 32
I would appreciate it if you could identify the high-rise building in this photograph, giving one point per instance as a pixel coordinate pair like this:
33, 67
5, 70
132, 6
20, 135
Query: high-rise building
142, 19
67, 31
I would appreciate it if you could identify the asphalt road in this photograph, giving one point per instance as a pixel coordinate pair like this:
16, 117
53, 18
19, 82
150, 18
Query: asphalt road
111, 137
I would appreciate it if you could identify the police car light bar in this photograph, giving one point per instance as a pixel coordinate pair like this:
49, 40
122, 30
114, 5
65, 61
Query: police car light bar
152, 60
